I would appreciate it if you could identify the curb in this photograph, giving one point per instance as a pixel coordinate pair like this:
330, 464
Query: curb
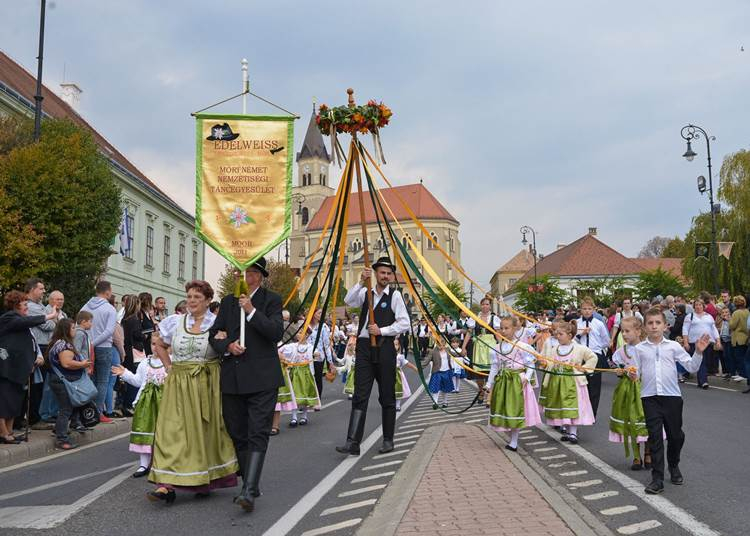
392, 505
578, 518
43, 443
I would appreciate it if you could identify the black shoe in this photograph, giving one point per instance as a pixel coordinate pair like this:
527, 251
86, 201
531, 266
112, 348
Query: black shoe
162, 494
676, 476
746, 391
637, 466
354, 433
142, 471
512, 449
387, 447
564, 437
250, 481
572, 439
388, 417
656, 487
704, 386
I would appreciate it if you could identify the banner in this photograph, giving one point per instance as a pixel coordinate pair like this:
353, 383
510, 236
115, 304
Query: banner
702, 250
725, 249
243, 205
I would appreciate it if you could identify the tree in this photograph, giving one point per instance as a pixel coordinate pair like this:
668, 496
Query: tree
654, 247
227, 279
604, 291
434, 306
675, 249
652, 283
62, 189
545, 296
281, 279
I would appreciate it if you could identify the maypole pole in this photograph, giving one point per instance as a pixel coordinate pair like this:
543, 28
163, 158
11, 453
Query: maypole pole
366, 249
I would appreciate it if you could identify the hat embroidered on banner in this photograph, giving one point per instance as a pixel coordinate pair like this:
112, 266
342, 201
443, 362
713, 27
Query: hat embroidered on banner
222, 133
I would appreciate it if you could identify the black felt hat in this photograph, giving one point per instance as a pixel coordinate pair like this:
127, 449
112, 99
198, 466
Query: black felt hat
386, 262
222, 133
260, 265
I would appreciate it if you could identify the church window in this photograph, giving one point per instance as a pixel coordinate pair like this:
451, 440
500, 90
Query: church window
305, 215
356, 245
430, 244
405, 241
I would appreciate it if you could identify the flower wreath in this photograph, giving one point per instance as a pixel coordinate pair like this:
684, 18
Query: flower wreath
367, 119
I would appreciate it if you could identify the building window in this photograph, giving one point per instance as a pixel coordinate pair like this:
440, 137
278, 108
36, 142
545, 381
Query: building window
130, 222
167, 253
181, 263
356, 245
195, 262
405, 241
430, 244
323, 179
305, 215
149, 247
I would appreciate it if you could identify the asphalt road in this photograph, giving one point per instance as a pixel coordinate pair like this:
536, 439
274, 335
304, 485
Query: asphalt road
103, 499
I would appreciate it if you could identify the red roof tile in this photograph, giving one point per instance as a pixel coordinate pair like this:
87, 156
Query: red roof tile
668, 264
424, 205
521, 262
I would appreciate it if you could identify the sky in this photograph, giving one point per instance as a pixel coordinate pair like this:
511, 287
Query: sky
558, 115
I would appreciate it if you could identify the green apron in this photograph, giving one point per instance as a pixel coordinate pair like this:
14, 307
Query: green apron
561, 397
627, 418
481, 360
506, 401
145, 415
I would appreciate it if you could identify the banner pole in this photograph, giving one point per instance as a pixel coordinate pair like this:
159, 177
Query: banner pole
245, 85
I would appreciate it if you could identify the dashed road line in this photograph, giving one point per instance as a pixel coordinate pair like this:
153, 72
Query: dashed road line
360, 491
545, 449
562, 464
574, 473
333, 528
390, 454
346, 507
602, 495
532, 443
415, 436
617, 510
472, 421
553, 457
635, 528
372, 477
584, 483
379, 465
408, 432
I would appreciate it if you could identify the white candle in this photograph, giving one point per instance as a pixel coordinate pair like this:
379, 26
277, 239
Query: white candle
242, 327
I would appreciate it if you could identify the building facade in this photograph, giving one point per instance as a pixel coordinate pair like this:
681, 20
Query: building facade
164, 251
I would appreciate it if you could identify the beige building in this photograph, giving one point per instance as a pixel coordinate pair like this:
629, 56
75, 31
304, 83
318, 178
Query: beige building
509, 273
316, 200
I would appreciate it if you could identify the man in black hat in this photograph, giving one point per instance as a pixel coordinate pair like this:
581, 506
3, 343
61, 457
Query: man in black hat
379, 362
250, 373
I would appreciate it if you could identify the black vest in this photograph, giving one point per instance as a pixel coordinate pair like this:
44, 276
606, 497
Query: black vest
383, 312
481, 330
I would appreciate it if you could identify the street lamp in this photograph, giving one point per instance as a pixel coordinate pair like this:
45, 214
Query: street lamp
299, 199
690, 133
524, 231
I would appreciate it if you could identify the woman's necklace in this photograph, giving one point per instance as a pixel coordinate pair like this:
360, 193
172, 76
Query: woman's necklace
565, 354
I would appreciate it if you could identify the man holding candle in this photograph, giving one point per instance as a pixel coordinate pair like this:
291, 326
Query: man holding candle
246, 333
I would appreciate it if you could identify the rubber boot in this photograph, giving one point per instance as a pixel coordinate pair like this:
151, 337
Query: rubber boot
354, 433
251, 480
389, 426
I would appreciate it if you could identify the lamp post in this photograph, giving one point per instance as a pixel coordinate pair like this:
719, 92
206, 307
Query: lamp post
38, 97
299, 199
690, 133
524, 231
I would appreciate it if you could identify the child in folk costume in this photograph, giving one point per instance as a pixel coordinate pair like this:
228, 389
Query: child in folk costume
441, 376
403, 391
302, 380
458, 357
627, 423
523, 333
548, 348
480, 341
285, 401
566, 397
346, 368
512, 402
149, 379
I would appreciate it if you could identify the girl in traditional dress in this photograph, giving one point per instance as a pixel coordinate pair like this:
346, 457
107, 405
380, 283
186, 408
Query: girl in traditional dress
285, 401
480, 341
302, 380
566, 396
403, 391
512, 402
148, 379
192, 449
441, 380
523, 333
627, 423
346, 368
457, 357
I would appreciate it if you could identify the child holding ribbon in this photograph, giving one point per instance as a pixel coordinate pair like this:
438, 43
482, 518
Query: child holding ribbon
403, 391
302, 380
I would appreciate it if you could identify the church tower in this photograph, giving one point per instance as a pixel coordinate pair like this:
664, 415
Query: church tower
311, 189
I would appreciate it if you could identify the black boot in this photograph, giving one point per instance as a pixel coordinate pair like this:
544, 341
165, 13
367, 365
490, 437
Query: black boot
251, 480
354, 433
389, 426
676, 476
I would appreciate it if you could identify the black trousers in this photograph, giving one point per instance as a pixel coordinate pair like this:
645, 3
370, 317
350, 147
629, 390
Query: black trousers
375, 364
595, 382
423, 344
318, 366
248, 418
666, 412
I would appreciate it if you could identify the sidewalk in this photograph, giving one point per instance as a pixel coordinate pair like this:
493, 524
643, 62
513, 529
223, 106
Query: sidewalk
42, 442
458, 480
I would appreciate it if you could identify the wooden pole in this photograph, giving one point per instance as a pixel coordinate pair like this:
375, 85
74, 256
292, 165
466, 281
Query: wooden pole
360, 197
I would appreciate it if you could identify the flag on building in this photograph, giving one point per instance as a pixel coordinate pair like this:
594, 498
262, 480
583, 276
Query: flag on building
126, 234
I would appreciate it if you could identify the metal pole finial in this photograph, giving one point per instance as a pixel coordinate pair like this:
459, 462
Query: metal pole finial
350, 92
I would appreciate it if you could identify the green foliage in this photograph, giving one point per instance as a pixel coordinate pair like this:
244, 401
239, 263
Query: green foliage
652, 283
675, 249
457, 289
62, 192
604, 291
226, 282
281, 279
550, 297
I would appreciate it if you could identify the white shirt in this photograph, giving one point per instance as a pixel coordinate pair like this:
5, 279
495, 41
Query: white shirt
597, 340
168, 325
471, 323
695, 326
620, 316
324, 342
423, 331
657, 366
356, 297
444, 361
251, 314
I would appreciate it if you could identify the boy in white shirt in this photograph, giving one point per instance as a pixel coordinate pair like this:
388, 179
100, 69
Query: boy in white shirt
593, 334
656, 363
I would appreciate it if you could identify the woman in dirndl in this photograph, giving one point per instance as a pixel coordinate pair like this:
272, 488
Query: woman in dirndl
192, 450
285, 400
479, 343
513, 405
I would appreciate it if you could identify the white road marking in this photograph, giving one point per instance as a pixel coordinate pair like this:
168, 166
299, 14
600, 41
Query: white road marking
362, 490
602, 495
529, 437
64, 453
333, 528
43, 487
545, 449
379, 465
425, 420
683, 518
331, 403
372, 477
405, 427
574, 473
619, 510
714, 387
585, 483
345, 507
635, 528
391, 454
553, 457
532, 443
472, 421
293, 516
409, 432
562, 464
407, 437
404, 443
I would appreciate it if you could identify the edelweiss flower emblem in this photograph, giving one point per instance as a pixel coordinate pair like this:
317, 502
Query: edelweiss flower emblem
239, 217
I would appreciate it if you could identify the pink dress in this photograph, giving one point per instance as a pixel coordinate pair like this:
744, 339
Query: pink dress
585, 411
627, 359
517, 358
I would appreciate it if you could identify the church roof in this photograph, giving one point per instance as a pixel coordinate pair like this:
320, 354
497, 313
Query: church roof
421, 201
313, 146
21, 85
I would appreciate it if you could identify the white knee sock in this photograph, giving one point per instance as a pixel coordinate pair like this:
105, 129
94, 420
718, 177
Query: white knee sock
398, 404
456, 382
145, 459
294, 414
304, 412
572, 429
514, 438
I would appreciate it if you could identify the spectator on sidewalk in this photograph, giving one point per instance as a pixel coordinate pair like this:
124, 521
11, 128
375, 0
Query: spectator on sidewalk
65, 362
147, 317
19, 354
180, 308
118, 355
738, 326
134, 344
160, 309
725, 336
727, 301
82, 337
35, 291
697, 324
48, 406
102, 330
